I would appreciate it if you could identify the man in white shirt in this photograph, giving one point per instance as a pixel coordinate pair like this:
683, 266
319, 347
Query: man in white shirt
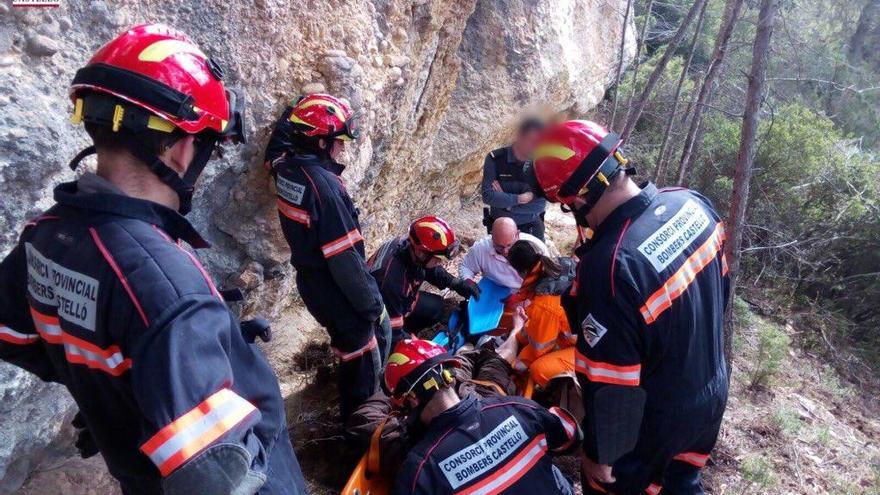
488, 256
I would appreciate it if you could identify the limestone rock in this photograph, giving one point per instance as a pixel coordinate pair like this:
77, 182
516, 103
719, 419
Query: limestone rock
439, 83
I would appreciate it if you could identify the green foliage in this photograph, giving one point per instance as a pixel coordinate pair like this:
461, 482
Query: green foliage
772, 349
787, 421
756, 469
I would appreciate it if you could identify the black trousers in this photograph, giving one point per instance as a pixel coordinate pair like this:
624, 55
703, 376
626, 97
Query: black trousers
670, 454
355, 340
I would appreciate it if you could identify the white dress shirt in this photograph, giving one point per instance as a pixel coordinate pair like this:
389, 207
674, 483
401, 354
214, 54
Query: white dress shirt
482, 259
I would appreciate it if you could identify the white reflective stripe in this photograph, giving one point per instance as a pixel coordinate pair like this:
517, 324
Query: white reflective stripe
512, 471
540, 346
628, 375
567, 422
112, 362
9, 335
653, 489
520, 366
193, 431
397, 322
49, 329
189, 434
358, 353
343, 243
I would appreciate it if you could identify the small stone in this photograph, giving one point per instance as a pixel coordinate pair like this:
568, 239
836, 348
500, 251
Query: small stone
4, 100
64, 24
396, 72
398, 61
6, 60
334, 53
384, 45
399, 82
313, 87
4, 8
41, 46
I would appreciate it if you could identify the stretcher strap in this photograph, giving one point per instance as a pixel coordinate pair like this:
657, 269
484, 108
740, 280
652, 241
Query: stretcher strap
374, 453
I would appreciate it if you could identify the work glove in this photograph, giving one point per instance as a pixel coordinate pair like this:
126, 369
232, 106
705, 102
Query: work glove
85, 444
258, 327
466, 288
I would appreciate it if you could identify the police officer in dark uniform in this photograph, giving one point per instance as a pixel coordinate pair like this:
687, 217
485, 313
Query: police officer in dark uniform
496, 444
509, 188
100, 295
400, 266
648, 305
321, 225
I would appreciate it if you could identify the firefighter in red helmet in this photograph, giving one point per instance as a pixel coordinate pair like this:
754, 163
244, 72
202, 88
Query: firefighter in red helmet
101, 296
322, 227
647, 305
401, 265
494, 444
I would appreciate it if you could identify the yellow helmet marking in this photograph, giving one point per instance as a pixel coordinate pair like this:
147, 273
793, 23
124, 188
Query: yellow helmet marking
336, 108
397, 358
433, 226
161, 50
159, 124
118, 113
77, 116
553, 150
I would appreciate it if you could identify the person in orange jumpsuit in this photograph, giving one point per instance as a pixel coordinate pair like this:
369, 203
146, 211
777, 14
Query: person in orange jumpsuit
547, 344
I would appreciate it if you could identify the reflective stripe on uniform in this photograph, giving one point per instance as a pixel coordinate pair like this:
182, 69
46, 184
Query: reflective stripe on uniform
662, 299
189, 434
11, 336
333, 248
79, 351
373, 343
600, 372
569, 423
397, 322
293, 213
508, 474
653, 489
693, 458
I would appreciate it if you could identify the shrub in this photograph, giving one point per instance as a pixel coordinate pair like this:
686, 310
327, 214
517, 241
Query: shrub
756, 469
772, 348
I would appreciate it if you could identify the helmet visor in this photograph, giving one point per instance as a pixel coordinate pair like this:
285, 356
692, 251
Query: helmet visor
351, 128
234, 130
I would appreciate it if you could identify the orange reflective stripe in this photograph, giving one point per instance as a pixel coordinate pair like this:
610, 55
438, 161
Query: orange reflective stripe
653, 489
600, 372
594, 485
693, 458
189, 434
373, 343
724, 267
568, 423
296, 214
662, 299
508, 474
339, 245
79, 351
397, 322
12, 337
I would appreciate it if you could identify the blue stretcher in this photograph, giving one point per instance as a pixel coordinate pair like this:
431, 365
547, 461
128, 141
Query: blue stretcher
483, 315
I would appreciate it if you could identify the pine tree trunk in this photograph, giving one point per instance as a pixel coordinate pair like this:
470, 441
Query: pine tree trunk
731, 13
661, 156
746, 157
640, 42
639, 105
620, 62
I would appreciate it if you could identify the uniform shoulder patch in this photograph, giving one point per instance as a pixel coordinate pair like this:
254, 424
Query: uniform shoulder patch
487, 454
592, 330
669, 241
290, 191
74, 294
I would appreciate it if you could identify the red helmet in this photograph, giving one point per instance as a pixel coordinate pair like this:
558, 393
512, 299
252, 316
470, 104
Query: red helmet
414, 362
322, 115
435, 236
163, 72
570, 155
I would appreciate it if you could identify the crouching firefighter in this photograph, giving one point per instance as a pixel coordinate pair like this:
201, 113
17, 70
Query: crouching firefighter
400, 266
490, 445
321, 225
647, 306
100, 296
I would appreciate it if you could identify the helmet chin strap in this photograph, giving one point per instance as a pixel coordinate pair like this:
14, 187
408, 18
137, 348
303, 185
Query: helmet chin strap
184, 186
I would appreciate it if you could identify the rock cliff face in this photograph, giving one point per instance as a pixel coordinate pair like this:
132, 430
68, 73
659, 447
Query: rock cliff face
439, 83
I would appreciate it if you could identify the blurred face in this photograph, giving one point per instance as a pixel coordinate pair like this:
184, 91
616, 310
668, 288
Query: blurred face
527, 142
427, 259
337, 149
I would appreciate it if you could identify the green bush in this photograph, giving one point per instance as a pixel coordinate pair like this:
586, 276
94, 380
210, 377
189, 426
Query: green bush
787, 421
757, 469
772, 348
